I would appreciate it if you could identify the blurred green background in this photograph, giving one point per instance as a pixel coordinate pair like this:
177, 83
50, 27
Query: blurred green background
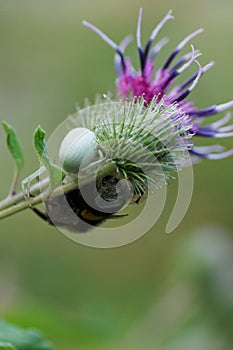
162, 292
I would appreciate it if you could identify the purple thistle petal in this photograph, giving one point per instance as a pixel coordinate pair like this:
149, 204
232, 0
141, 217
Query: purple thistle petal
195, 82
125, 42
188, 81
159, 26
192, 78
214, 129
208, 149
101, 34
224, 106
138, 38
221, 121
203, 112
138, 33
211, 110
223, 134
182, 60
180, 46
156, 31
133, 84
175, 73
156, 49
109, 41
144, 53
207, 132
117, 59
212, 156
188, 38
226, 128
220, 155
193, 55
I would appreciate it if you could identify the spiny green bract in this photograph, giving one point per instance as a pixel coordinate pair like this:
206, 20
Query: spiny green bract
146, 144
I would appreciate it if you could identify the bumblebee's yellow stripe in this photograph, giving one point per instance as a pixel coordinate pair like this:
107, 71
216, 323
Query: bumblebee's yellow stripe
91, 217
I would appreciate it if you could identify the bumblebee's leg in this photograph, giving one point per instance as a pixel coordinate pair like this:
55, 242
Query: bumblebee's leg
46, 218
42, 215
117, 216
138, 200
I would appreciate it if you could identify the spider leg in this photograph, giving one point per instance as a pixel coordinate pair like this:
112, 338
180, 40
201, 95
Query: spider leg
26, 183
42, 215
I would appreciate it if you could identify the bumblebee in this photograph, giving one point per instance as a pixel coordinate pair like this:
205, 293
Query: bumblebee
81, 209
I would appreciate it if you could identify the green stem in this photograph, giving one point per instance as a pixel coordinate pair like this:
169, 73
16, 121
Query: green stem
14, 183
18, 197
20, 207
17, 203
39, 192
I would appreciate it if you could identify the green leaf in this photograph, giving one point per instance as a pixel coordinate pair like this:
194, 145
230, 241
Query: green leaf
56, 174
14, 145
15, 338
6, 346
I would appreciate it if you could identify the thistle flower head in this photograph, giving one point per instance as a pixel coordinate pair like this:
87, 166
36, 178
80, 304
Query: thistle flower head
156, 85
145, 145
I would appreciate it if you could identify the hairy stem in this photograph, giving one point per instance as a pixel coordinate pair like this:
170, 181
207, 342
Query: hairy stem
18, 202
15, 208
18, 197
39, 192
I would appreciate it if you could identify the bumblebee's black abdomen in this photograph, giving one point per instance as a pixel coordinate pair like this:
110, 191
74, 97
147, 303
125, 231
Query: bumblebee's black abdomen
92, 204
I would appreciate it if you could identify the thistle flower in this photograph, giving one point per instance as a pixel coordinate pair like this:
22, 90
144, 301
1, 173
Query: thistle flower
145, 145
118, 152
149, 83
115, 154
